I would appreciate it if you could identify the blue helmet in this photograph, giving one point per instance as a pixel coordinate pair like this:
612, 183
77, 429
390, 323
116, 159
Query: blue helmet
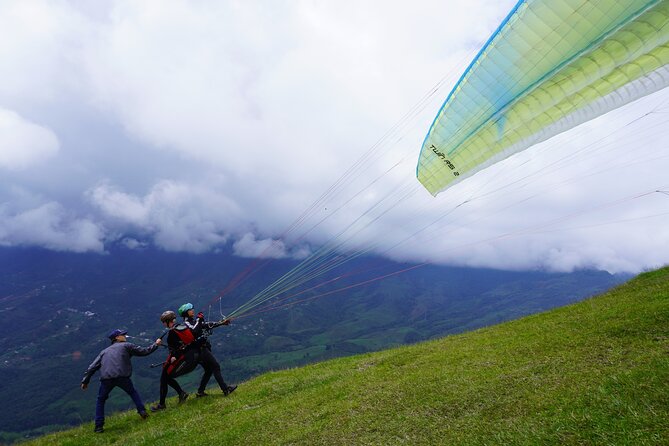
183, 310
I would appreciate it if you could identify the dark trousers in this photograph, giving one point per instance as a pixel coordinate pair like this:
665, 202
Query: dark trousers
211, 367
167, 380
106, 386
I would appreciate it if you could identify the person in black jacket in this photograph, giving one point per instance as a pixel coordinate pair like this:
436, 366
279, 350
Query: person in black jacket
209, 363
182, 358
115, 370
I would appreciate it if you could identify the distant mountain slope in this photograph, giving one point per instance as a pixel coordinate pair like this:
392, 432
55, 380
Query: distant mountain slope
59, 306
595, 372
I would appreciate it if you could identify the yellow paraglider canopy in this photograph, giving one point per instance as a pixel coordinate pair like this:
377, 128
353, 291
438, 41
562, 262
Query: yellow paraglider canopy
551, 65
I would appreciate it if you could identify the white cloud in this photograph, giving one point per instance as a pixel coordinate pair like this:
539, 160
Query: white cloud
52, 227
132, 243
119, 205
40, 53
263, 90
23, 143
215, 122
248, 246
179, 216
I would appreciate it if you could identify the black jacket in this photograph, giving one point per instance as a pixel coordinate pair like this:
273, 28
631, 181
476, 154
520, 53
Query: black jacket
197, 325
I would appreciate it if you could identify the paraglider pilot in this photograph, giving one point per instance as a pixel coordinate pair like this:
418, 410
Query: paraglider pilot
209, 363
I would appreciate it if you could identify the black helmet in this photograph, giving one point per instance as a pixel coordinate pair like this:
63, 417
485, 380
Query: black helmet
167, 316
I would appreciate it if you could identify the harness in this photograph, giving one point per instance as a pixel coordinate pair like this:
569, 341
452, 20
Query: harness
186, 335
185, 358
187, 355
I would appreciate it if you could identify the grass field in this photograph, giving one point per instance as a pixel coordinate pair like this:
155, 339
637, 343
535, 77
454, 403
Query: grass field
596, 372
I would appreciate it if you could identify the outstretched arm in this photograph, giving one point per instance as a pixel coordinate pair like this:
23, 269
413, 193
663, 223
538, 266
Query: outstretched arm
94, 367
219, 323
136, 350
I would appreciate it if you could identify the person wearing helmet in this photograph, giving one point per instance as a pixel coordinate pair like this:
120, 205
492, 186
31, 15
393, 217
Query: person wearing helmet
209, 363
187, 312
181, 359
115, 371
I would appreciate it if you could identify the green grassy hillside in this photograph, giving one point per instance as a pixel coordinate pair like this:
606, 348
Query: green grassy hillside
596, 372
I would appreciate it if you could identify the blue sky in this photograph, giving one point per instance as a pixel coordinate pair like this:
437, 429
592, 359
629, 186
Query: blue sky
193, 125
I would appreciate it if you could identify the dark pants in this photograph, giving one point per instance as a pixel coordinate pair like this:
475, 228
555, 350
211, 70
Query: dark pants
167, 380
106, 386
211, 367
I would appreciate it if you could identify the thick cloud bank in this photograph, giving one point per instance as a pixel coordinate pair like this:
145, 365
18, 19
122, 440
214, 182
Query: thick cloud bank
192, 126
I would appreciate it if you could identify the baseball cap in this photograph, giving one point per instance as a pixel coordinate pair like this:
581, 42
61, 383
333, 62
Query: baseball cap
112, 334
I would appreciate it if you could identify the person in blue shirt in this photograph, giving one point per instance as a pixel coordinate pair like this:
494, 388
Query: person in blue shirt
115, 371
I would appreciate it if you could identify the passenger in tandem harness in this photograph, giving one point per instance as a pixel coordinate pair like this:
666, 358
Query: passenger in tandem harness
182, 358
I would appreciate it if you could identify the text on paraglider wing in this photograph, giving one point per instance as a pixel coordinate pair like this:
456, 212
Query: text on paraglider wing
445, 160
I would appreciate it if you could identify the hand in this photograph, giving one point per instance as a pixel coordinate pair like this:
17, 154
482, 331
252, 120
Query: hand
226, 322
84, 386
200, 315
172, 359
159, 341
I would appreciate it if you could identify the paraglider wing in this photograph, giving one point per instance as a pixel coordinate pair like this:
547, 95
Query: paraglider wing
551, 65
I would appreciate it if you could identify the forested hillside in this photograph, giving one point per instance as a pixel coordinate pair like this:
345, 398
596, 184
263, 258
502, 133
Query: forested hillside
595, 372
59, 307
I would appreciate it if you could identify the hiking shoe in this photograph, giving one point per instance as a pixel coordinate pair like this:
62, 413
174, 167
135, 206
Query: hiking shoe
183, 397
157, 407
144, 415
228, 390
201, 394
98, 429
